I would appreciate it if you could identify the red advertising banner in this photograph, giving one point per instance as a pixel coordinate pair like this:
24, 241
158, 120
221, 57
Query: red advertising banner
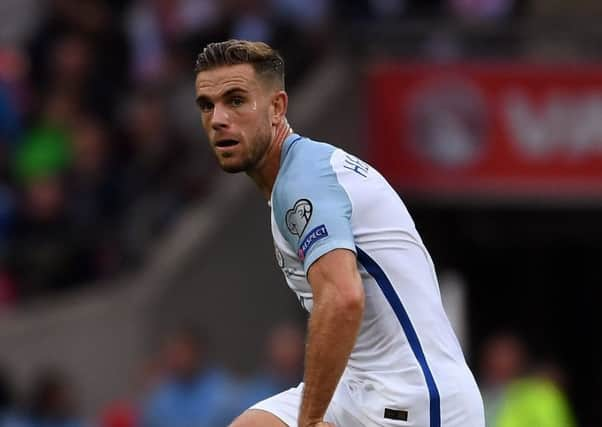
488, 129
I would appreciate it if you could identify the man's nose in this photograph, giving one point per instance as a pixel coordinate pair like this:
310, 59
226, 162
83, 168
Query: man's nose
219, 118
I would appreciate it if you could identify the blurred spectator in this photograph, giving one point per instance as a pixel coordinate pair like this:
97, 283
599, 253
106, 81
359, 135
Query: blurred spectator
52, 402
516, 395
70, 69
42, 253
503, 358
536, 400
10, 120
11, 74
156, 182
302, 38
155, 27
46, 253
7, 208
12, 103
69, 52
282, 369
94, 195
251, 20
125, 411
192, 392
45, 151
306, 14
184, 119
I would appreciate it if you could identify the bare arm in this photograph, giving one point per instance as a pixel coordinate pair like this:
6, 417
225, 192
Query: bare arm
338, 307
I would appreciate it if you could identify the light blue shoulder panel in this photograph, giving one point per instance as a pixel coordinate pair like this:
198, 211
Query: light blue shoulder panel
311, 208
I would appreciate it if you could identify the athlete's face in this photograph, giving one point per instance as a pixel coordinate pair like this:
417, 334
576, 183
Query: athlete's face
237, 112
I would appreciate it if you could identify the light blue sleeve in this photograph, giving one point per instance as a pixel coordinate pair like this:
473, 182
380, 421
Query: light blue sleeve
311, 208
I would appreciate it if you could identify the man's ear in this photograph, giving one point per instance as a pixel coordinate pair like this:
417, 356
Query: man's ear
279, 107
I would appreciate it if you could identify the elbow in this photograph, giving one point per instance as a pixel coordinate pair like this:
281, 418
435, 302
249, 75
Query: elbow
352, 302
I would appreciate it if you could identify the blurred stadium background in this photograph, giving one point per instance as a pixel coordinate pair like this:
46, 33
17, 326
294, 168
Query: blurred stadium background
133, 273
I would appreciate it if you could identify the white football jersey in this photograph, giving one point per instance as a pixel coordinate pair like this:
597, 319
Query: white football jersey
406, 356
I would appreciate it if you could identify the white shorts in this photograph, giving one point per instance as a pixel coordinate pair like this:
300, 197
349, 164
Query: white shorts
351, 407
286, 405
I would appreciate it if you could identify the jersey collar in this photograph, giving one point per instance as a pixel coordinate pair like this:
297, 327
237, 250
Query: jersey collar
287, 144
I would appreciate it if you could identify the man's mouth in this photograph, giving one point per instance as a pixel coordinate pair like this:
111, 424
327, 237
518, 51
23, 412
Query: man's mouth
223, 143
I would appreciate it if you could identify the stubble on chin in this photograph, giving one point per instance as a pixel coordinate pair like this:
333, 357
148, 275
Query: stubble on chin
234, 167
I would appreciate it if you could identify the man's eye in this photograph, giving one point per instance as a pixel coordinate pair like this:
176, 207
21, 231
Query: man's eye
206, 107
237, 101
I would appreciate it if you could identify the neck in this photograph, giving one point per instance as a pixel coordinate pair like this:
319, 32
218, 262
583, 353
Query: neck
265, 174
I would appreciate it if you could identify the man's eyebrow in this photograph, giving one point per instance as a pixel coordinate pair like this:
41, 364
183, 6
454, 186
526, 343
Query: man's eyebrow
233, 90
203, 98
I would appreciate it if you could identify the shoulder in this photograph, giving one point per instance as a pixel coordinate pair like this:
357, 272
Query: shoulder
306, 175
306, 159
306, 166
308, 202
310, 162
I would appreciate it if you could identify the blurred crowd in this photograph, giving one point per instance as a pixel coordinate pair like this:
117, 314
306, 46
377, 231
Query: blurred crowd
180, 386
100, 141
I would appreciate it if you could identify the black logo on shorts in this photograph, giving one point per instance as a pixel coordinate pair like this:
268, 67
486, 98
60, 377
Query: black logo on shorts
298, 217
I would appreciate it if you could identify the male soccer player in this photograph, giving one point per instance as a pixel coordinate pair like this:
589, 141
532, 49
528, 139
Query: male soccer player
380, 350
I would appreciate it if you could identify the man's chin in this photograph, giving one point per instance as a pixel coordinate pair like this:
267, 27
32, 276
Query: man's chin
233, 167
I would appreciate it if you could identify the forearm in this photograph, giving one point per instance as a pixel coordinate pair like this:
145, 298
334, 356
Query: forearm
333, 328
